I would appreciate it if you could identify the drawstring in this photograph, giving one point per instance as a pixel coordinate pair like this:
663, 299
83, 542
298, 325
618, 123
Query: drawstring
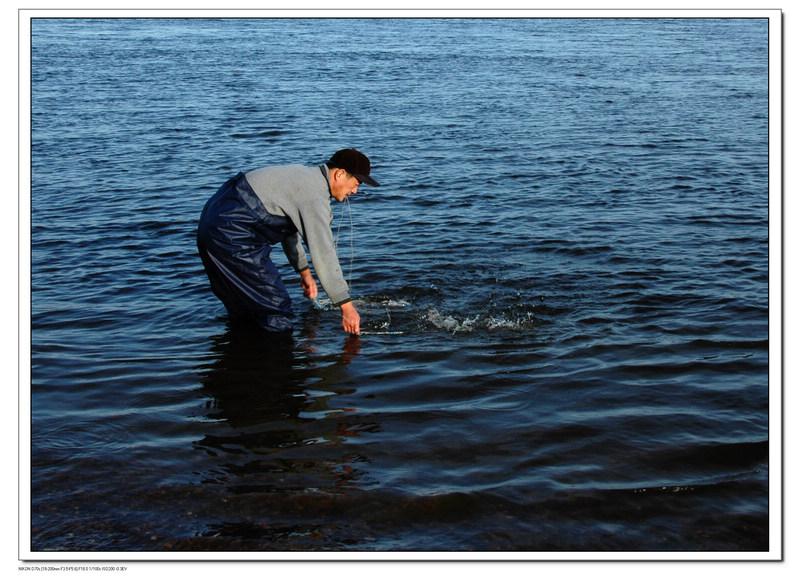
352, 240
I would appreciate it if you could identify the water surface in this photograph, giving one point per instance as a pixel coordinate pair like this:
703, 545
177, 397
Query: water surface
565, 278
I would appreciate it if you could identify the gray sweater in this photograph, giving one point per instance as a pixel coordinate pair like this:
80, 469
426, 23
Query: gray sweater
303, 195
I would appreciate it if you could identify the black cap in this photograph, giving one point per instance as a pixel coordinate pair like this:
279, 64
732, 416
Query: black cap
354, 162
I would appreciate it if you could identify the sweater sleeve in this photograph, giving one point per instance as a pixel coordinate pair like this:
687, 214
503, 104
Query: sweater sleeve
295, 252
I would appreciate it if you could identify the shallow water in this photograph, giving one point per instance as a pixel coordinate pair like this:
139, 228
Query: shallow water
563, 285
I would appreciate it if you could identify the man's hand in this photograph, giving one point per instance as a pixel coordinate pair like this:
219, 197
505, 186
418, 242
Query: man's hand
351, 320
309, 285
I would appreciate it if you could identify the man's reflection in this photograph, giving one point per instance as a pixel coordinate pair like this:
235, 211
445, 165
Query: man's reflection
282, 420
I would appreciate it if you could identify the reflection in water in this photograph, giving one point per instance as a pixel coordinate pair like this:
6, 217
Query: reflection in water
282, 422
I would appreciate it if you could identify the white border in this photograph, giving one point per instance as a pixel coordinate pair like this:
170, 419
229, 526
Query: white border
776, 456
24, 223
776, 294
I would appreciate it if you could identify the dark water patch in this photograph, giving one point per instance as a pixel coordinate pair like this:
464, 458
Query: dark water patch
264, 134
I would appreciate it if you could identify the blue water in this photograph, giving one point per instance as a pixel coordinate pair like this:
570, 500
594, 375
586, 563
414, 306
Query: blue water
565, 274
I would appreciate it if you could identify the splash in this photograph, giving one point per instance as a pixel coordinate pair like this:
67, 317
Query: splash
322, 304
483, 321
511, 320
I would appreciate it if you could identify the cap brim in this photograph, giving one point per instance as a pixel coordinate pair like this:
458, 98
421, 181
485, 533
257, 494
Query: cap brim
367, 180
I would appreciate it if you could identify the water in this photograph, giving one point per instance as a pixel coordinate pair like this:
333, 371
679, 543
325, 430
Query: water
565, 276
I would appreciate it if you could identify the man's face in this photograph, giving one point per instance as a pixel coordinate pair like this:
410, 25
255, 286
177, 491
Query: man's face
343, 184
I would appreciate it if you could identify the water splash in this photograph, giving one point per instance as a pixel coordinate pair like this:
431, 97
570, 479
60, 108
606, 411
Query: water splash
431, 318
482, 321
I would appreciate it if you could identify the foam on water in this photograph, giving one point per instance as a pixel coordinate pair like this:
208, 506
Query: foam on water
481, 322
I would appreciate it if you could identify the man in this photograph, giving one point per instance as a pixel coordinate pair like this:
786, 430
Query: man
282, 204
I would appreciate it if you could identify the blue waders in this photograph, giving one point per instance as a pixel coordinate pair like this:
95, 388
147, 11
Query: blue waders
235, 239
